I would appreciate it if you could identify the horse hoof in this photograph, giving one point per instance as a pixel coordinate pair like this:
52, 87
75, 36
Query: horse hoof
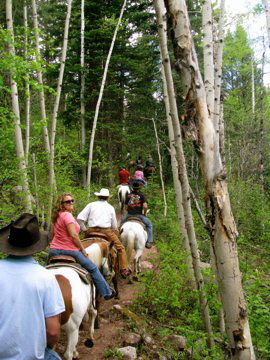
89, 343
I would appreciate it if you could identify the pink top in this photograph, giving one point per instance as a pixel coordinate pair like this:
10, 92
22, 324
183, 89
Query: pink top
61, 239
139, 174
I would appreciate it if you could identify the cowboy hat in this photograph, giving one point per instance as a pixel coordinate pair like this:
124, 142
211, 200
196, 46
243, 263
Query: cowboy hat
103, 192
136, 185
22, 237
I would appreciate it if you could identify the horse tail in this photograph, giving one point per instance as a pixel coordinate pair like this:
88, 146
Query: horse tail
130, 242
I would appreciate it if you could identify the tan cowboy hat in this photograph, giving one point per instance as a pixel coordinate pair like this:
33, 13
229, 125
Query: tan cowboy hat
103, 192
22, 237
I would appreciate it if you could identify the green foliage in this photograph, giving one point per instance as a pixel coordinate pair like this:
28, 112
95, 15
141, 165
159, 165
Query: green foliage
112, 354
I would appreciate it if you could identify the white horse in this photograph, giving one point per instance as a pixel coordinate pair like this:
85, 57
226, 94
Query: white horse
79, 299
134, 237
123, 191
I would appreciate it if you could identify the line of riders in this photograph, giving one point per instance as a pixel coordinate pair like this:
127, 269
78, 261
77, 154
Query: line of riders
27, 284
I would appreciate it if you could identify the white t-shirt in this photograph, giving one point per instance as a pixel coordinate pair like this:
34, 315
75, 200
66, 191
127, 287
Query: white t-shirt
98, 214
29, 294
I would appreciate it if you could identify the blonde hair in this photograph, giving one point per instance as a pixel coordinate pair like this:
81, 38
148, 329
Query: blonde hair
59, 206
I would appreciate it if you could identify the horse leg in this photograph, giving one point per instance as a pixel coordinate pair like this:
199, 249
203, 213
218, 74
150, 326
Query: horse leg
72, 340
115, 285
92, 315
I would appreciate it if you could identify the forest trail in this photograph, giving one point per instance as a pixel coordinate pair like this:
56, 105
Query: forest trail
110, 334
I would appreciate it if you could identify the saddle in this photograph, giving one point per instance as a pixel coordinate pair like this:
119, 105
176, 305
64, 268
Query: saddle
138, 220
56, 262
98, 235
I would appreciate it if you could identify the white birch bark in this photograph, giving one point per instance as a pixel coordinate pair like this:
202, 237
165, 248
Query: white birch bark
27, 89
82, 91
221, 221
92, 139
176, 181
261, 128
16, 112
40, 81
208, 54
182, 171
218, 67
37, 209
56, 104
160, 170
267, 14
252, 88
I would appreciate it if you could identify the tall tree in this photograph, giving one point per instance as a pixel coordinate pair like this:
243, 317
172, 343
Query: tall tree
220, 218
182, 171
16, 112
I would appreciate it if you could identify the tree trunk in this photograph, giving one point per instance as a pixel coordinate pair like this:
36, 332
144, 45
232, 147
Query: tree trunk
218, 68
261, 129
27, 89
40, 81
252, 88
92, 139
176, 181
220, 218
267, 14
82, 92
160, 170
208, 54
182, 171
16, 112
56, 104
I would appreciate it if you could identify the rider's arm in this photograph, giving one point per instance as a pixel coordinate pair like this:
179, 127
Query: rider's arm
82, 225
52, 330
75, 237
83, 217
145, 207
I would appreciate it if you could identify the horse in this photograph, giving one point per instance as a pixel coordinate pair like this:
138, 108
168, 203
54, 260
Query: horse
80, 300
104, 255
134, 236
123, 191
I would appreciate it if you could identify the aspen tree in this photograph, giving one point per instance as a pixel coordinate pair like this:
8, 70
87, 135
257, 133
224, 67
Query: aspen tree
182, 171
220, 218
176, 181
267, 14
92, 139
56, 103
208, 54
27, 88
160, 170
218, 67
82, 90
16, 112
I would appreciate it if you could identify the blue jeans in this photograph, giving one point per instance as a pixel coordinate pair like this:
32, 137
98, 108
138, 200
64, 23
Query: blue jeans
147, 222
51, 355
101, 284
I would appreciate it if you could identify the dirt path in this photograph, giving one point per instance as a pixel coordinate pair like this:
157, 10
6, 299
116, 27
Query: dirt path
111, 327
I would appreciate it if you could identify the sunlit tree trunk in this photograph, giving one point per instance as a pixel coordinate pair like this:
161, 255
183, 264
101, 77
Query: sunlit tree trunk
56, 104
218, 68
252, 88
267, 13
182, 171
176, 181
16, 112
208, 54
92, 139
261, 128
160, 170
40, 80
220, 219
27, 89
82, 91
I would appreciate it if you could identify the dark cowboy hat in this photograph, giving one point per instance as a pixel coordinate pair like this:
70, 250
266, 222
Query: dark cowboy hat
22, 237
136, 185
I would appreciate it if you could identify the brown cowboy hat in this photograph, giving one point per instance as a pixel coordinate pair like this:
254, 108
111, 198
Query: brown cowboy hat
22, 237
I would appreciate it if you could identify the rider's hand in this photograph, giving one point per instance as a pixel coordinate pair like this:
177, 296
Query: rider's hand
84, 253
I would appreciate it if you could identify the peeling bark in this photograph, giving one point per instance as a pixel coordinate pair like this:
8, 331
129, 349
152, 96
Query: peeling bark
219, 215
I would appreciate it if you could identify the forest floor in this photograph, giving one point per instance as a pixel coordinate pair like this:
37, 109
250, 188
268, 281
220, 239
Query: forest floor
112, 326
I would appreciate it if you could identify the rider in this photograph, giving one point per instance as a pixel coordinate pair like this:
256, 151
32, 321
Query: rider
139, 175
137, 207
124, 175
100, 217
